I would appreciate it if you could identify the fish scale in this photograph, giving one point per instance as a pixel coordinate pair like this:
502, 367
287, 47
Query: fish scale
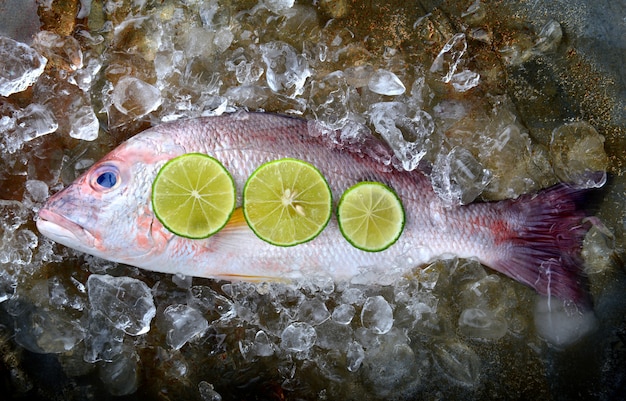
534, 239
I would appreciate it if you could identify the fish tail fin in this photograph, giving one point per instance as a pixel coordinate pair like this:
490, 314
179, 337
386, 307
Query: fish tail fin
543, 246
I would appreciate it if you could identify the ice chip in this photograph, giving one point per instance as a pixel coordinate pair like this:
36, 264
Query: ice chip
298, 336
287, 71
458, 361
560, 323
134, 97
578, 155
482, 323
386, 82
458, 178
125, 301
377, 315
184, 324
21, 66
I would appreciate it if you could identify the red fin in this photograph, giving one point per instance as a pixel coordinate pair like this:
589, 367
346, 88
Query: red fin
544, 251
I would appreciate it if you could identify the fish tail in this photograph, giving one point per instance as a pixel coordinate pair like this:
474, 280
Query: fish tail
543, 248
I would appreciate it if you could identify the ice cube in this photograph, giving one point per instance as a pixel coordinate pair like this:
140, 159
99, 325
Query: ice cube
38, 190
482, 323
550, 37
207, 392
450, 57
102, 341
313, 311
409, 137
560, 323
245, 64
458, 178
43, 329
182, 281
457, 361
120, 375
386, 82
287, 71
8, 283
205, 299
83, 122
329, 100
21, 66
377, 315
298, 336
25, 125
353, 296
184, 324
578, 155
134, 97
599, 249
332, 335
465, 80
390, 367
263, 346
61, 52
343, 314
278, 6
125, 301
354, 356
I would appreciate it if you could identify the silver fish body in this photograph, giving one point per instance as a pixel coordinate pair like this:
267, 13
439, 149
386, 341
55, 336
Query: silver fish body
534, 239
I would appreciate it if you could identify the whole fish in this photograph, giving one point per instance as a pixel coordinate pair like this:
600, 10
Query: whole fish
107, 212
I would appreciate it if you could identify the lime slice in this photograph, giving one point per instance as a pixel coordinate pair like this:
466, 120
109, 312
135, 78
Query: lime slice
370, 216
193, 195
287, 202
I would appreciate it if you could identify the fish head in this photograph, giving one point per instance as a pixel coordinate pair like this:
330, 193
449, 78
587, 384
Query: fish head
107, 211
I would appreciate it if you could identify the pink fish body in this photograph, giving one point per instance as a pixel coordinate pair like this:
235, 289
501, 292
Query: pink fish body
107, 213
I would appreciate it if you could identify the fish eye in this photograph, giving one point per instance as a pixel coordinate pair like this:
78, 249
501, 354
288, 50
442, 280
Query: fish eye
105, 178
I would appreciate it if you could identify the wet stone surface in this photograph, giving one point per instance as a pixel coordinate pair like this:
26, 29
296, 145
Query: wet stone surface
495, 99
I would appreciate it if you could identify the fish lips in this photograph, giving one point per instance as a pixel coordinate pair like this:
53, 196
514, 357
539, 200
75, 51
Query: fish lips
64, 231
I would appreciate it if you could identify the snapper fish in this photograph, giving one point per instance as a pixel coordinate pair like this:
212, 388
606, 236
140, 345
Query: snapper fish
535, 239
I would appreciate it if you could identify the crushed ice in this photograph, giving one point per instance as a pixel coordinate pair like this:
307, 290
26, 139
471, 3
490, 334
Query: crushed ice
202, 58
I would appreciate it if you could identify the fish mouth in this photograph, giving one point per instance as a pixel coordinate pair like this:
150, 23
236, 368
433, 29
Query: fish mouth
64, 231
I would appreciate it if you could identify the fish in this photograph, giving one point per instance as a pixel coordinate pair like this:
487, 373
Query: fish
534, 239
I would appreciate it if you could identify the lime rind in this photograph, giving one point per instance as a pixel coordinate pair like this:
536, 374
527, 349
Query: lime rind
287, 202
193, 195
370, 216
